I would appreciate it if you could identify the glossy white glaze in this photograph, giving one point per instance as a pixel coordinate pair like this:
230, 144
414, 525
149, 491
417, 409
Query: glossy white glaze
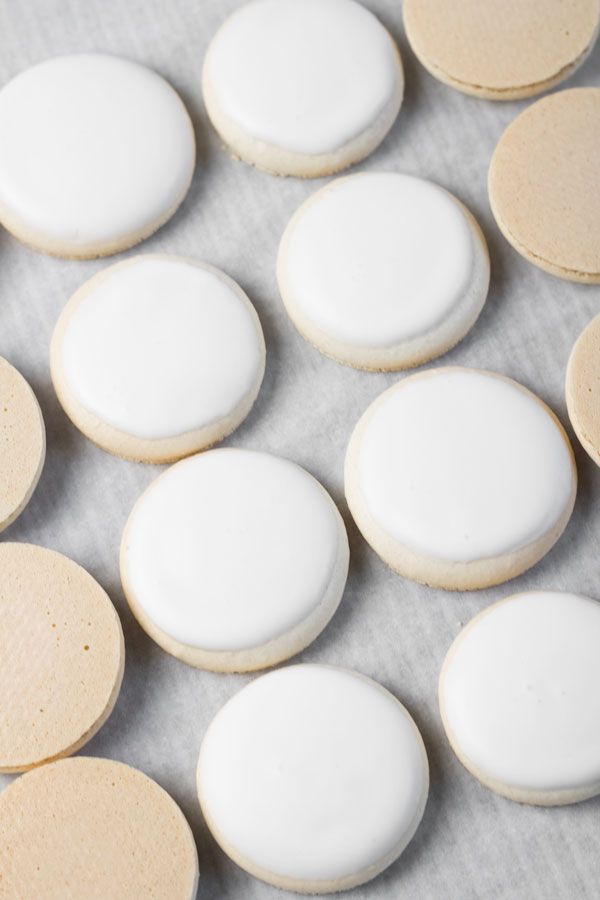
92, 148
521, 692
230, 549
313, 772
161, 346
461, 465
379, 258
303, 75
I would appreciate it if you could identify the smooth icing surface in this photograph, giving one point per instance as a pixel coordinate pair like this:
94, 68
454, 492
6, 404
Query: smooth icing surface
231, 548
303, 75
92, 148
160, 347
461, 465
313, 772
521, 691
379, 258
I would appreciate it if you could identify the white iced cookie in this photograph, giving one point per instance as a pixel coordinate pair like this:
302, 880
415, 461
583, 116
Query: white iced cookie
520, 697
96, 153
157, 357
302, 87
234, 560
313, 778
460, 478
22, 443
382, 270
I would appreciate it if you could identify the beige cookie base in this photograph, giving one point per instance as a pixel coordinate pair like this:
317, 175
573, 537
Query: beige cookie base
93, 829
248, 659
429, 570
43, 243
519, 794
281, 161
22, 443
583, 389
62, 652
326, 886
404, 354
130, 446
501, 51
543, 184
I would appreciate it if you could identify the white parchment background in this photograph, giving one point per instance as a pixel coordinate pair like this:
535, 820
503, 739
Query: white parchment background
471, 844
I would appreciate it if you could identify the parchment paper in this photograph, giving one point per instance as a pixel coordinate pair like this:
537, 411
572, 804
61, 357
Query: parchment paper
471, 844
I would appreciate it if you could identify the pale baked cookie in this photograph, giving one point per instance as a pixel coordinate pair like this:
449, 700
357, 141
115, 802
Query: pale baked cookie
583, 389
94, 828
544, 183
22, 443
302, 87
313, 778
501, 49
62, 653
96, 153
460, 478
520, 697
383, 270
234, 560
157, 357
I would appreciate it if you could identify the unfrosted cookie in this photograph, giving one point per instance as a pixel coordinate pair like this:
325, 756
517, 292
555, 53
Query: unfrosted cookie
62, 653
313, 778
544, 183
302, 87
22, 443
157, 357
501, 49
383, 270
94, 828
583, 389
96, 153
234, 560
520, 697
460, 478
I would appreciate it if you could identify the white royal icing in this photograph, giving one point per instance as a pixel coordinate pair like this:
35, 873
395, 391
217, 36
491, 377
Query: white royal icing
313, 772
521, 692
379, 258
92, 148
304, 75
231, 548
461, 465
160, 347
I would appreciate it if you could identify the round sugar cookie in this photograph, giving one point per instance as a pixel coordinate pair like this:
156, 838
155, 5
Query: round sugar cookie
382, 270
96, 153
583, 389
62, 653
302, 87
157, 357
460, 478
313, 778
22, 443
520, 697
94, 828
501, 50
544, 183
234, 560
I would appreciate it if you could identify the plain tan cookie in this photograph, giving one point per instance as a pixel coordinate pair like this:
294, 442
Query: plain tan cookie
61, 653
94, 829
22, 443
501, 49
583, 388
544, 184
